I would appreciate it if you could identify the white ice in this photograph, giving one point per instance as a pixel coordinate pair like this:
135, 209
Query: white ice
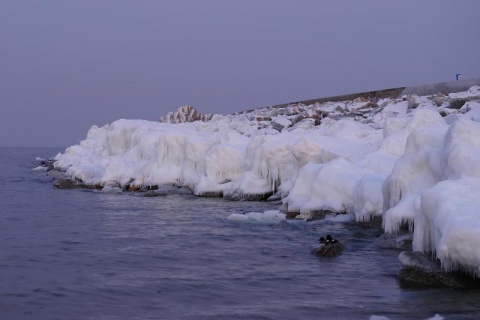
40, 168
400, 161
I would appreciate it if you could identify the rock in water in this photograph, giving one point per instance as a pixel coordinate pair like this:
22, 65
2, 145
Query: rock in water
328, 250
418, 268
64, 184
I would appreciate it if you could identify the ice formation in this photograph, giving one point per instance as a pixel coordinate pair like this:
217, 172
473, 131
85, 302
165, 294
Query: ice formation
413, 161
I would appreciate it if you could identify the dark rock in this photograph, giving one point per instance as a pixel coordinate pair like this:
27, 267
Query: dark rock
61, 182
418, 268
457, 103
291, 215
247, 197
373, 222
64, 184
279, 123
47, 164
129, 187
328, 250
211, 194
423, 277
164, 190
259, 118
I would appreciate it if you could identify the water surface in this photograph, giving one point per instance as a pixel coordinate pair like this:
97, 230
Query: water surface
77, 254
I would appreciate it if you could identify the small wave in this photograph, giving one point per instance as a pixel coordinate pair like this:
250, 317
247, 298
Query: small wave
40, 168
341, 217
270, 216
108, 189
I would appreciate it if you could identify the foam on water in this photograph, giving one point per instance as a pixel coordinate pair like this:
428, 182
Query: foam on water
269, 217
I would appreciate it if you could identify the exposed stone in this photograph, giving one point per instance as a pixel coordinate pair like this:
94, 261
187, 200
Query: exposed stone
211, 194
164, 190
423, 277
315, 215
263, 119
291, 215
64, 184
373, 222
419, 268
457, 103
328, 250
279, 123
236, 196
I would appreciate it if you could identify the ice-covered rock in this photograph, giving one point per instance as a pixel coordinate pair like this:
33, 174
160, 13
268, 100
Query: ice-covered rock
185, 114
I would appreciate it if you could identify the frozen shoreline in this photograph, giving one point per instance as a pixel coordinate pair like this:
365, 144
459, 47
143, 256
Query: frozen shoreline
412, 161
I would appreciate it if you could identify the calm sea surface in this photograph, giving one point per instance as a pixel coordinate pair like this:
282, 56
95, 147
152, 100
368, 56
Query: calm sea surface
75, 254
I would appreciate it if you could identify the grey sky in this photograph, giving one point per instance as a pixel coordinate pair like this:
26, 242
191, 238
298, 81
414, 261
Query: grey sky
67, 65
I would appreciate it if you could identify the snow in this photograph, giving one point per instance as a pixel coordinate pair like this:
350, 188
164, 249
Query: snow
448, 223
414, 162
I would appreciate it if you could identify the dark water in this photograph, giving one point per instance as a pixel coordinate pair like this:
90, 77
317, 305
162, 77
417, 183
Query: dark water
73, 254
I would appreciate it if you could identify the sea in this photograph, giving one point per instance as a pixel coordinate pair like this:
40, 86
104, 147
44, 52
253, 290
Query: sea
83, 254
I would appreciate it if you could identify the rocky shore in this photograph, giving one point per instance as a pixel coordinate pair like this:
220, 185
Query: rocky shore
419, 268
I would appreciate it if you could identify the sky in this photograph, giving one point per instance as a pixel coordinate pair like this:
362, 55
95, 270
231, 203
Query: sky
68, 65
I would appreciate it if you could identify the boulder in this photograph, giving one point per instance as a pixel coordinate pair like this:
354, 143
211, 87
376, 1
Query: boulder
418, 268
328, 250
164, 190
64, 184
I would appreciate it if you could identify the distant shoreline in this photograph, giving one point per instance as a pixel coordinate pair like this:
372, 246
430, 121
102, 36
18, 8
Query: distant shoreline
421, 90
